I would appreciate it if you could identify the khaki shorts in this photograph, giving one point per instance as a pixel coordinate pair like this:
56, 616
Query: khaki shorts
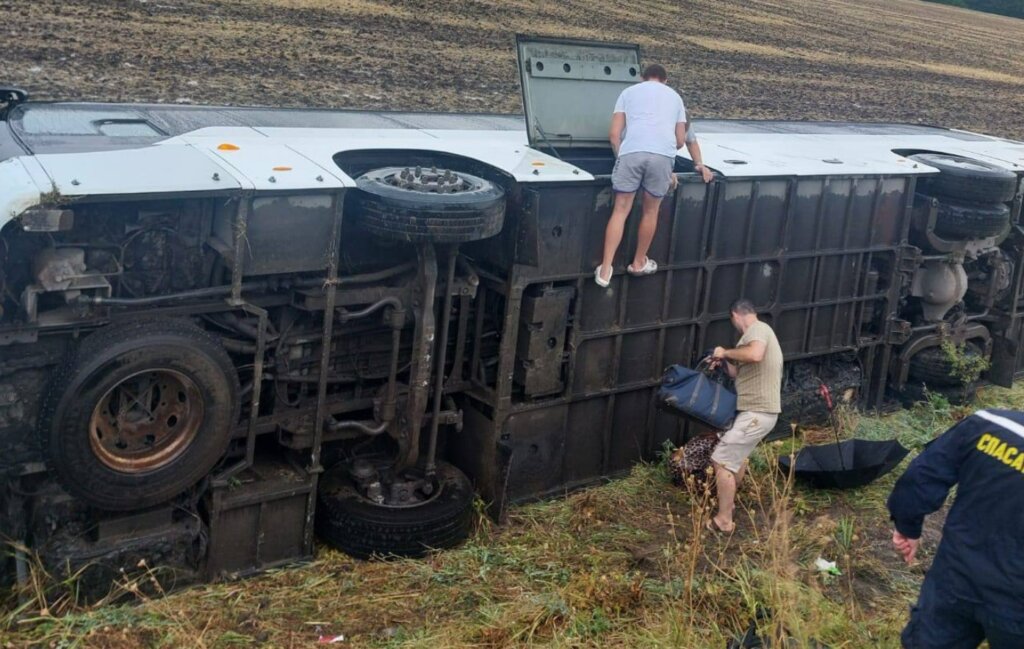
649, 171
737, 443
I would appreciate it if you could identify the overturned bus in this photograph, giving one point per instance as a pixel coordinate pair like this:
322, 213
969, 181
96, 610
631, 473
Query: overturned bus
224, 331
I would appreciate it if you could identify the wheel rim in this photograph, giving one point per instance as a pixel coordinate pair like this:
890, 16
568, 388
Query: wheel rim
416, 497
430, 181
146, 421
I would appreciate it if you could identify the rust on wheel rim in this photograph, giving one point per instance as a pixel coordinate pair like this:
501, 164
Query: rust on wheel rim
146, 421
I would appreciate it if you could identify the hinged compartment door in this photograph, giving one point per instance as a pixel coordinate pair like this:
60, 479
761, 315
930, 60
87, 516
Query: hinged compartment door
570, 87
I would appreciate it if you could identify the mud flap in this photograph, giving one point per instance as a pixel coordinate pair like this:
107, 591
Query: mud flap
1004, 361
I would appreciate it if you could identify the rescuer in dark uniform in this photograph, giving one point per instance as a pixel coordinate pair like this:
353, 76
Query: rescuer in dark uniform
975, 588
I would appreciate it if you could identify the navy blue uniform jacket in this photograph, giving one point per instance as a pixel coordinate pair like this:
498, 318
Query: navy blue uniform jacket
981, 556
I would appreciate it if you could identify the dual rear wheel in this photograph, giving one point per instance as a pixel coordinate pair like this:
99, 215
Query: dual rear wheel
971, 204
971, 196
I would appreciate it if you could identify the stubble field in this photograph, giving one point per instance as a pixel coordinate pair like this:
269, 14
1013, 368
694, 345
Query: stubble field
801, 59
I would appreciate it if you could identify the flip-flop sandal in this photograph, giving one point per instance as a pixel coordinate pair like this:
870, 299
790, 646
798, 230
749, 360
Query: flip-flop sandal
603, 283
650, 267
712, 526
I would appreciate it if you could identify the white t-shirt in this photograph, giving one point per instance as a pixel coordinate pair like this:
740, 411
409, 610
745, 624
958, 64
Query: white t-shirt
652, 111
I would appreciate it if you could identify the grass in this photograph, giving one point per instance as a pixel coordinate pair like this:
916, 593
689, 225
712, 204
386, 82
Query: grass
627, 564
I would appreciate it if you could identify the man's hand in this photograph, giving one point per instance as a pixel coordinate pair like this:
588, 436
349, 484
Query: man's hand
705, 173
905, 546
673, 181
718, 359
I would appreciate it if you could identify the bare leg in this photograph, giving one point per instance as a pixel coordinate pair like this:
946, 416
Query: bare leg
725, 480
739, 474
645, 234
613, 233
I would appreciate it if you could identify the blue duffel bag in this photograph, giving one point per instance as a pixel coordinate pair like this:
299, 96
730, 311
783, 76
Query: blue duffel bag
692, 393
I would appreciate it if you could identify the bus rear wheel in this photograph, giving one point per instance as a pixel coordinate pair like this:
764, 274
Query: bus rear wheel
139, 413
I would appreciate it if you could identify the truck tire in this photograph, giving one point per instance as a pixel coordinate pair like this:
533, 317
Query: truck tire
363, 529
967, 179
139, 413
427, 205
931, 366
959, 221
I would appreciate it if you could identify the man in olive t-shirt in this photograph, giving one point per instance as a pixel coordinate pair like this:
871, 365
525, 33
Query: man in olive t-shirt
756, 364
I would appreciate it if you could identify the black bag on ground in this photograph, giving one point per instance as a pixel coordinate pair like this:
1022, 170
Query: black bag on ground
692, 393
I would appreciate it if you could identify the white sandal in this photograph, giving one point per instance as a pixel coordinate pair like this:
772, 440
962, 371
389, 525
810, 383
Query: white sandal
603, 283
650, 267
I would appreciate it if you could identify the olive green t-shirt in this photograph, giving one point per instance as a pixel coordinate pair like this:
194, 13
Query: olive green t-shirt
759, 385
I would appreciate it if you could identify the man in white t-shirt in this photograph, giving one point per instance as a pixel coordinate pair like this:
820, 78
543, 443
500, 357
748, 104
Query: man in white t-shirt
648, 128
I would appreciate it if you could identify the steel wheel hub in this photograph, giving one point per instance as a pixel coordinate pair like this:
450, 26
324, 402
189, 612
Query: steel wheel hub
385, 489
146, 421
431, 181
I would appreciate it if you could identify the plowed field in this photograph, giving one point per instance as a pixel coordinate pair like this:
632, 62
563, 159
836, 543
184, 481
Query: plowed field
802, 59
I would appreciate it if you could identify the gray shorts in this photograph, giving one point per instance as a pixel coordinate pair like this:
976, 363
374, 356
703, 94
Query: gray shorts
649, 171
736, 444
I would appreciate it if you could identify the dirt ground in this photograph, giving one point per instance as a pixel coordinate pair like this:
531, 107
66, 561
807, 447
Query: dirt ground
802, 59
